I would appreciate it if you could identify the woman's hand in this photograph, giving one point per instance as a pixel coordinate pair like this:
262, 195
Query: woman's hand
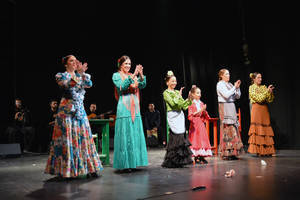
204, 107
81, 68
180, 91
140, 69
271, 88
136, 71
237, 84
190, 96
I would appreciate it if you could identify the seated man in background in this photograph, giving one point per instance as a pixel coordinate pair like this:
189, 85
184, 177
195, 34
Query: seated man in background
20, 131
152, 125
92, 113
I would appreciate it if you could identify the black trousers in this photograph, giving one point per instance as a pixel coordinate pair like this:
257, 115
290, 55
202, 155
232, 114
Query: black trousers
22, 135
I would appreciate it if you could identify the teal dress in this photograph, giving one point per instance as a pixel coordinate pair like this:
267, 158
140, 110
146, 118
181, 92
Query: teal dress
129, 141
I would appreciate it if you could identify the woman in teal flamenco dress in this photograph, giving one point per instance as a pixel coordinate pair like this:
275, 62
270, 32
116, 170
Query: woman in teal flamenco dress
72, 150
130, 149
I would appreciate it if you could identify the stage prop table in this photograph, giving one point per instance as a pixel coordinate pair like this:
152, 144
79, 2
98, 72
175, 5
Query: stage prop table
104, 123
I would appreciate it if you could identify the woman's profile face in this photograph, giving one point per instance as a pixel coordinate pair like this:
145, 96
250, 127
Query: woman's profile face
226, 76
258, 79
172, 82
71, 63
126, 65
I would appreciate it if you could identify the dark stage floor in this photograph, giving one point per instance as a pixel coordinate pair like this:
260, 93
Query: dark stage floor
23, 178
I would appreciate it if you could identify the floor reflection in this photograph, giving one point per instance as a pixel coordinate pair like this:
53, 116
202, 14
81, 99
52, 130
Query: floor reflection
279, 179
261, 178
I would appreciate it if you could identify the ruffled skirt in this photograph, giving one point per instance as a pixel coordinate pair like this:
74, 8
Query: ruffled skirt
178, 151
72, 150
199, 140
260, 132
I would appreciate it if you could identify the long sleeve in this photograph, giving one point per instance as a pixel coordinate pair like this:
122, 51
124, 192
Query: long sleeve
142, 84
270, 97
185, 104
191, 111
204, 114
172, 101
121, 85
260, 94
64, 80
175, 102
224, 92
86, 81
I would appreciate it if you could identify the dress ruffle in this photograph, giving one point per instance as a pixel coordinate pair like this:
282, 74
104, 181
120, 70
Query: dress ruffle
201, 152
260, 132
178, 152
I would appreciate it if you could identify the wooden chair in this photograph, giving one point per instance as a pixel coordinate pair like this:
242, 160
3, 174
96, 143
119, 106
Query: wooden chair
240, 120
215, 132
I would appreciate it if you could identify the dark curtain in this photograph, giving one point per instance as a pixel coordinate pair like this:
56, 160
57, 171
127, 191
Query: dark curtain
193, 38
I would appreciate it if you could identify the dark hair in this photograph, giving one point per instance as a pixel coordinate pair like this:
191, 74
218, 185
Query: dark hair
18, 99
221, 73
65, 59
121, 60
169, 75
51, 100
253, 76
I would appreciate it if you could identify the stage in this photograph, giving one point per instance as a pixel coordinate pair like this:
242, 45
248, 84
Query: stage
23, 178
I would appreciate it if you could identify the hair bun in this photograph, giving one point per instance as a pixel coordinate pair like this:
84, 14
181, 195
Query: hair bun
170, 73
251, 75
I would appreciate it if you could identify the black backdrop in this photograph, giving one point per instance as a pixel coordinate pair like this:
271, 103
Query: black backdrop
193, 38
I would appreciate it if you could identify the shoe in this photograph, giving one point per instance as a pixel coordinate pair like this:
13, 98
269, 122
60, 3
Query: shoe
193, 159
204, 161
198, 159
226, 158
94, 175
234, 158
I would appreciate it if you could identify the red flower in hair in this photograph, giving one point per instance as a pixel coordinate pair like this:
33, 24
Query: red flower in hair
119, 62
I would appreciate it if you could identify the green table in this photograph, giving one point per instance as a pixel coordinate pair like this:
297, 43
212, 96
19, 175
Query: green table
104, 123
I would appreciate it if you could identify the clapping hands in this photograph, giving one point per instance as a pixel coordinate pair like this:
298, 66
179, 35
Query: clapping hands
138, 70
81, 68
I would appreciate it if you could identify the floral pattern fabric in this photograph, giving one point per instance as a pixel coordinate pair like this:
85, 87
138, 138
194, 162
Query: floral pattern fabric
72, 151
